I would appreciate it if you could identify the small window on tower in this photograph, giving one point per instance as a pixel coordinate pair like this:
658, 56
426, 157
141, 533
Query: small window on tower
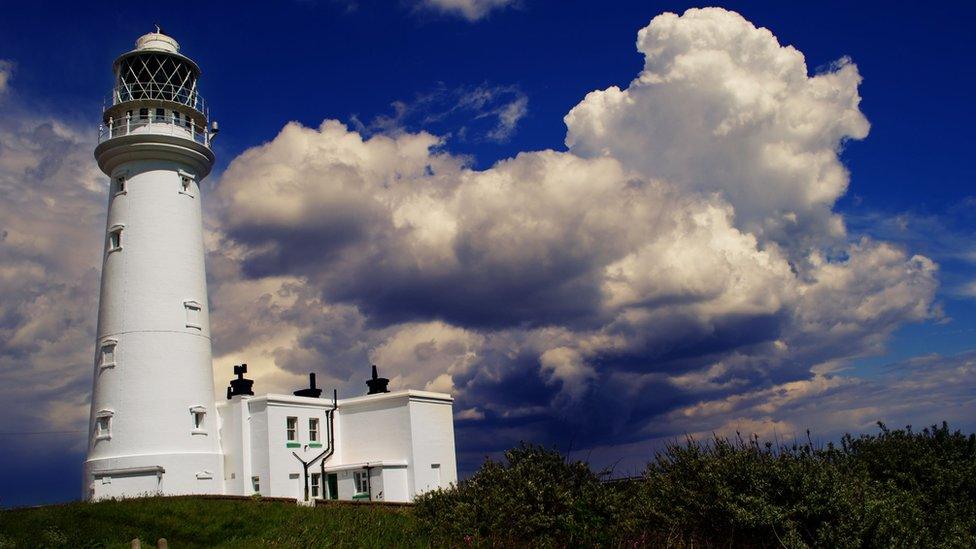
144, 113
256, 484
199, 414
186, 183
106, 358
115, 238
103, 425
176, 118
192, 314
160, 115
120, 184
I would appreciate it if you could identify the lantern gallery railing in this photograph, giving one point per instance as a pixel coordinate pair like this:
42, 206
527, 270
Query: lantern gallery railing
134, 91
170, 124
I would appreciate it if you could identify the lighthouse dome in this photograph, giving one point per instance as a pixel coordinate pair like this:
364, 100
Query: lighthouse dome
157, 41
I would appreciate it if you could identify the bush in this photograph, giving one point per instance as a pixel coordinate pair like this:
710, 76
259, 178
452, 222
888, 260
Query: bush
898, 488
535, 496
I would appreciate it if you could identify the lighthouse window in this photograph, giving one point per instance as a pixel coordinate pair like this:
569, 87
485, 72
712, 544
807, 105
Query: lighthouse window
115, 239
103, 425
120, 184
291, 428
186, 183
199, 414
176, 118
160, 115
107, 356
192, 314
256, 484
144, 113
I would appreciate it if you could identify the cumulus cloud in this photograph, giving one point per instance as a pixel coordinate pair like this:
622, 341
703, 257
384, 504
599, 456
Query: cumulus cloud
715, 90
683, 247
472, 10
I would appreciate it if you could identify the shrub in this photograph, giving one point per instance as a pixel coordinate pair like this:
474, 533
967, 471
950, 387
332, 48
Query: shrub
898, 488
535, 495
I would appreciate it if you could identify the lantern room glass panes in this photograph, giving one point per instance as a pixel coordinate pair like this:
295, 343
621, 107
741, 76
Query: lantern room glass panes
156, 76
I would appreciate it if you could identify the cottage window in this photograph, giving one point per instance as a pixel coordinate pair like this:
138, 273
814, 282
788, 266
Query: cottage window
313, 429
291, 428
361, 479
316, 483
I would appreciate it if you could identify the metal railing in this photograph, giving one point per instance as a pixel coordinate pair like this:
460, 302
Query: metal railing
156, 125
134, 91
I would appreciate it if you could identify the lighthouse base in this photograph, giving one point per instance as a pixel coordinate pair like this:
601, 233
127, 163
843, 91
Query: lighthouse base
153, 474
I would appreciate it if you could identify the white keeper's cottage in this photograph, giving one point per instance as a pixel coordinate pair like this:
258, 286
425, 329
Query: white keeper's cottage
155, 426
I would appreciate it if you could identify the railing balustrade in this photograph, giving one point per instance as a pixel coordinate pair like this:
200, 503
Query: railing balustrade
168, 124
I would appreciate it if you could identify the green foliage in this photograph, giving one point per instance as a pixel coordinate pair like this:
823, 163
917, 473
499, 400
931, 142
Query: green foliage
198, 522
536, 495
896, 489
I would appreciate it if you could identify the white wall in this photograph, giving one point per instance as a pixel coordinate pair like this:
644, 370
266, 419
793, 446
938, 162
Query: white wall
432, 439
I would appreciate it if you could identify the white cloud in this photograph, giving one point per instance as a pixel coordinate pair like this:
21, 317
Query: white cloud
472, 10
721, 106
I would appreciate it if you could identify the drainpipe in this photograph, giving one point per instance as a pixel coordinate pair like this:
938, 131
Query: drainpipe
330, 448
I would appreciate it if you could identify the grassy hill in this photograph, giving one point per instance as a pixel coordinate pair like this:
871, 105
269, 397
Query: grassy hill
199, 522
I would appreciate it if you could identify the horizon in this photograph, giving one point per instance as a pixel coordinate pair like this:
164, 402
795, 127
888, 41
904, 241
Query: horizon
600, 228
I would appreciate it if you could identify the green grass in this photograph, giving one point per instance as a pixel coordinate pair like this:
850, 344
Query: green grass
194, 522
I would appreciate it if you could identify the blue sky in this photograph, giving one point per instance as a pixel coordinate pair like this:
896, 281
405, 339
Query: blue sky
586, 346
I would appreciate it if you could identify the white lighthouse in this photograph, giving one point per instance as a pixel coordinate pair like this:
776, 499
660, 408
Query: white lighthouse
154, 427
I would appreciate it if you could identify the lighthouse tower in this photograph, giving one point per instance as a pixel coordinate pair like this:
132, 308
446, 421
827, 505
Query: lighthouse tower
154, 426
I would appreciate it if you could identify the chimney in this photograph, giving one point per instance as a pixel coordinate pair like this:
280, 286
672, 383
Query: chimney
240, 386
311, 391
377, 384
